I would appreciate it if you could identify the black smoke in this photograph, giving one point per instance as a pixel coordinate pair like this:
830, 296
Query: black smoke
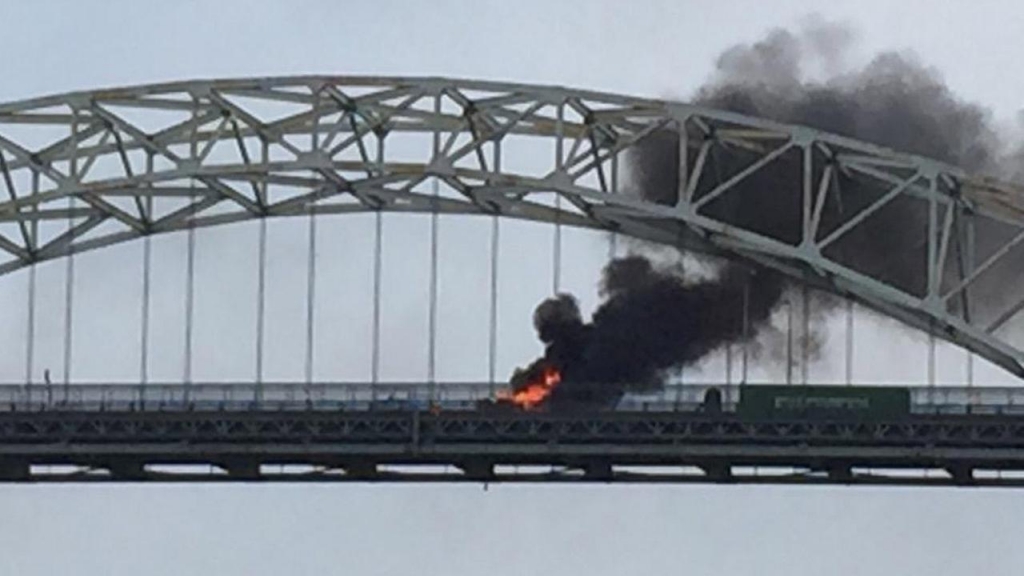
893, 101
653, 320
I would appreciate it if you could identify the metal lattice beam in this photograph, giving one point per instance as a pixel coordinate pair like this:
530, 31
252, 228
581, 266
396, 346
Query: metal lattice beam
363, 446
120, 164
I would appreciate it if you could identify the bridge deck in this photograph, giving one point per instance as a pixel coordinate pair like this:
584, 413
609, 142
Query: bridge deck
448, 396
267, 438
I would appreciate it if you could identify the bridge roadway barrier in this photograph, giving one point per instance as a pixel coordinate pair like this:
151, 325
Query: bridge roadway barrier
451, 433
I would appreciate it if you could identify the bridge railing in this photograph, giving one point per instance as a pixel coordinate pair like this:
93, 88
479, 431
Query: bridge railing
247, 396
421, 396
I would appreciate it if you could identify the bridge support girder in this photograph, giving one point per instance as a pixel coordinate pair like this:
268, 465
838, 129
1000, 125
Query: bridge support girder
720, 472
482, 470
360, 469
652, 447
598, 471
962, 474
242, 469
841, 473
14, 470
127, 469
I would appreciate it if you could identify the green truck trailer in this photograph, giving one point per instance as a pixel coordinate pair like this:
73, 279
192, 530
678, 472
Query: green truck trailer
799, 401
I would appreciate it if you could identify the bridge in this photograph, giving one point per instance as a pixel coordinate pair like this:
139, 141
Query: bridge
90, 171
442, 432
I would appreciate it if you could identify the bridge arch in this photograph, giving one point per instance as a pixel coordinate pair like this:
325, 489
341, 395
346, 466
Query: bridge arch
86, 170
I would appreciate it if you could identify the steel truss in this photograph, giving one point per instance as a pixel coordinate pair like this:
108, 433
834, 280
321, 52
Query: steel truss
475, 447
87, 170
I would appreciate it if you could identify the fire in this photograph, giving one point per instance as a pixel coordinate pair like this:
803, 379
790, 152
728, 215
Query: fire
535, 391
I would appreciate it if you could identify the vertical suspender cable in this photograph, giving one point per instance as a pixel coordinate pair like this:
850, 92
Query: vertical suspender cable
147, 258
806, 337
378, 231
556, 265
970, 241
746, 329
849, 341
931, 359
310, 297
190, 263
682, 368
728, 363
432, 320
30, 325
261, 307
31, 321
789, 340
311, 258
614, 185
377, 251
307, 369
559, 162
933, 278
931, 367
806, 234
261, 284
69, 272
492, 352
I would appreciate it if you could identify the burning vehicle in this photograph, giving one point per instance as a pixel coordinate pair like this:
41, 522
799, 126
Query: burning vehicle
650, 322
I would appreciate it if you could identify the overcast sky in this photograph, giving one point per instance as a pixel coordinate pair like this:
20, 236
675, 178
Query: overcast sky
661, 49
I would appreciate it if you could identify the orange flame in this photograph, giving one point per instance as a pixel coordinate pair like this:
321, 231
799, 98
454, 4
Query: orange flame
534, 392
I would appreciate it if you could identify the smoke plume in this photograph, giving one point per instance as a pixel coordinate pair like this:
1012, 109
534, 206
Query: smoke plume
652, 320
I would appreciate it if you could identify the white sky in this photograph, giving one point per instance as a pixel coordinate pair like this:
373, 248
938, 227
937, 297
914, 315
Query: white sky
641, 48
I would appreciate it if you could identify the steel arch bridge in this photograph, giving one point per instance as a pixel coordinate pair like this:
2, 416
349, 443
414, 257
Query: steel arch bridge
87, 170
218, 151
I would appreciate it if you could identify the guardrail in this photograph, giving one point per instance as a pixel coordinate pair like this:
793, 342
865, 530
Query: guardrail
420, 396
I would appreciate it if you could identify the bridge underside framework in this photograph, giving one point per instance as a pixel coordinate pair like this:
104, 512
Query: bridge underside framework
913, 238
400, 446
339, 433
